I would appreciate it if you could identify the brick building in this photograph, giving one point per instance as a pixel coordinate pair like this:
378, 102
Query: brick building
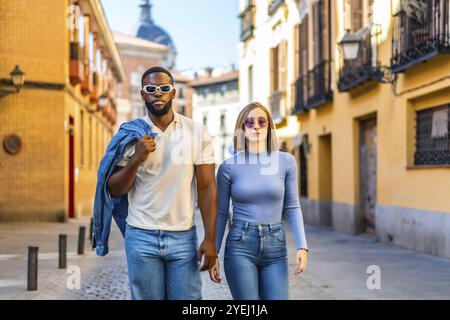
55, 130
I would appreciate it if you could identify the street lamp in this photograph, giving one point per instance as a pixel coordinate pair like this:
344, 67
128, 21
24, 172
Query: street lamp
103, 101
350, 45
17, 80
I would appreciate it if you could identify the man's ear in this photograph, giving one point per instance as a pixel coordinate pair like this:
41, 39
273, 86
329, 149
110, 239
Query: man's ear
174, 93
142, 95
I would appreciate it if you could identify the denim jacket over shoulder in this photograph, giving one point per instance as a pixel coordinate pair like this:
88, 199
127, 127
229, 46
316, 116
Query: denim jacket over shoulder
105, 206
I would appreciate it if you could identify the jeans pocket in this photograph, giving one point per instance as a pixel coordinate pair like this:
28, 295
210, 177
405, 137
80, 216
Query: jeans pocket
236, 235
279, 235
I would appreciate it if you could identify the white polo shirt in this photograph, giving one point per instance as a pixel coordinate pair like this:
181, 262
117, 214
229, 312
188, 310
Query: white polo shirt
164, 192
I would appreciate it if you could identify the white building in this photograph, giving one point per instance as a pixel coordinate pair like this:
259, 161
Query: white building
267, 72
215, 103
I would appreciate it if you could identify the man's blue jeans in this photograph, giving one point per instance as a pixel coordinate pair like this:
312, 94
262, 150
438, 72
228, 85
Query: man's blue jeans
162, 264
255, 261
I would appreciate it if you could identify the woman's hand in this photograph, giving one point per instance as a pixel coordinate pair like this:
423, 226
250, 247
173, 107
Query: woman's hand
214, 272
301, 261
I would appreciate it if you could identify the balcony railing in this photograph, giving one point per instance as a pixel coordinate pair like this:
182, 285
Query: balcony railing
313, 89
277, 102
419, 36
247, 22
273, 6
356, 72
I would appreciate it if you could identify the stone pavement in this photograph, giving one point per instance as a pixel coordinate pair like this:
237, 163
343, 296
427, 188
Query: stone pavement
337, 267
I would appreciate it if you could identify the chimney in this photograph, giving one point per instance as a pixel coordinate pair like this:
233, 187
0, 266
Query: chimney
209, 71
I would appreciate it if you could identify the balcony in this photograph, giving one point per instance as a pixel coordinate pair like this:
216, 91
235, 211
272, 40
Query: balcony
364, 68
420, 36
95, 93
273, 6
76, 67
313, 89
277, 102
247, 22
88, 84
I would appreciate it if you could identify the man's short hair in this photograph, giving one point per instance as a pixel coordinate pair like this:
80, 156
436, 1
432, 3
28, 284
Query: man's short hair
154, 70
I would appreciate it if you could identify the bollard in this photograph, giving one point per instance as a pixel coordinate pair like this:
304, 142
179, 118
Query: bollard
91, 225
81, 236
32, 278
62, 246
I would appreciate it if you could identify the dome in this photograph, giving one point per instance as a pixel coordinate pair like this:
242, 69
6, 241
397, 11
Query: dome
146, 28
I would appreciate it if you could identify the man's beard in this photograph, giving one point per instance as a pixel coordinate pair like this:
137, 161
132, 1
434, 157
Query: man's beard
158, 112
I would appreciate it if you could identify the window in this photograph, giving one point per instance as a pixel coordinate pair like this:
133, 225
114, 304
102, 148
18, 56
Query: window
357, 14
433, 136
278, 67
223, 89
182, 109
222, 120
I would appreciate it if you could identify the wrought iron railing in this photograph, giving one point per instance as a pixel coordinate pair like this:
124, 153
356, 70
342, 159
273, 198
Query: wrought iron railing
419, 36
314, 88
433, 136
247, 21
273, 6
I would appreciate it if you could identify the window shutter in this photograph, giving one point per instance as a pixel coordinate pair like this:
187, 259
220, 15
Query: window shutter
274, 69
356, 11
297, 51
304, 47
282, 65
326, 30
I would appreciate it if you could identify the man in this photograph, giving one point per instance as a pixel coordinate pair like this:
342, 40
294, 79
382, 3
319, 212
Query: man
161, 177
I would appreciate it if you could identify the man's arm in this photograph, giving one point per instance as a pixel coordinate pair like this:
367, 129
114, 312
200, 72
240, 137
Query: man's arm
121, 181
207, 202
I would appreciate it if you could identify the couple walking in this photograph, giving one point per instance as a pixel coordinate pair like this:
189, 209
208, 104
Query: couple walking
148, 181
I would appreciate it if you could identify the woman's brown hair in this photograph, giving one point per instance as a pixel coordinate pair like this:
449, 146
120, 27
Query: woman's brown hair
240, 142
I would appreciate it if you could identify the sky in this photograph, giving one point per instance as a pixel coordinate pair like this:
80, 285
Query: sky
205, 32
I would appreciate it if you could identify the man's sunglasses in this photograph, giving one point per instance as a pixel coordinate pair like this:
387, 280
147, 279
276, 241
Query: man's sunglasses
250, 122
164, 88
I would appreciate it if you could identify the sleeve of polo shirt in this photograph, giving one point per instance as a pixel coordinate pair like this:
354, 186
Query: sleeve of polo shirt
206, 151
129, 151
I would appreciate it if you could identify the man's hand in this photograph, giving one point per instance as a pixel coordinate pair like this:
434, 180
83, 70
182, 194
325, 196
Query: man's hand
301, 261
208, 251
143, 148
214, 272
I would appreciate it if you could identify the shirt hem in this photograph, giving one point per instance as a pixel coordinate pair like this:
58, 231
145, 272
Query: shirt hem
160, 227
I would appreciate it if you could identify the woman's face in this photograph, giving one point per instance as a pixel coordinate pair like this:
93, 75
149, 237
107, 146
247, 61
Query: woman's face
256, 125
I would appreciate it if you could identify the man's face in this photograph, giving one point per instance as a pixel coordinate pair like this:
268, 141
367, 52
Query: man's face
158, 103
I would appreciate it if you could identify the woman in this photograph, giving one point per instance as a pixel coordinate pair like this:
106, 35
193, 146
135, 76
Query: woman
262, 183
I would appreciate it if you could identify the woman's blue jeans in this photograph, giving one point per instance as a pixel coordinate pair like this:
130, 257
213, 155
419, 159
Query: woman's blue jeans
255, 262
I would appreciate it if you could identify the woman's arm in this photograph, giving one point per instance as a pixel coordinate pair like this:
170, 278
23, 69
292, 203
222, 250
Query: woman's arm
291, 204
223, 203
294, 215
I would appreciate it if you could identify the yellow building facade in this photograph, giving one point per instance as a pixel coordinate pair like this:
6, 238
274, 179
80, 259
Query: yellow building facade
56, 129
373, 146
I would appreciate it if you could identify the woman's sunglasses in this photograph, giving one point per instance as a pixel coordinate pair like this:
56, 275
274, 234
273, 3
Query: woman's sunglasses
164, 88
250, 122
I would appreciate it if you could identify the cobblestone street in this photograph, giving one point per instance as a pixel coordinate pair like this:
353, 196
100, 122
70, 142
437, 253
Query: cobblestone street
337, 268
